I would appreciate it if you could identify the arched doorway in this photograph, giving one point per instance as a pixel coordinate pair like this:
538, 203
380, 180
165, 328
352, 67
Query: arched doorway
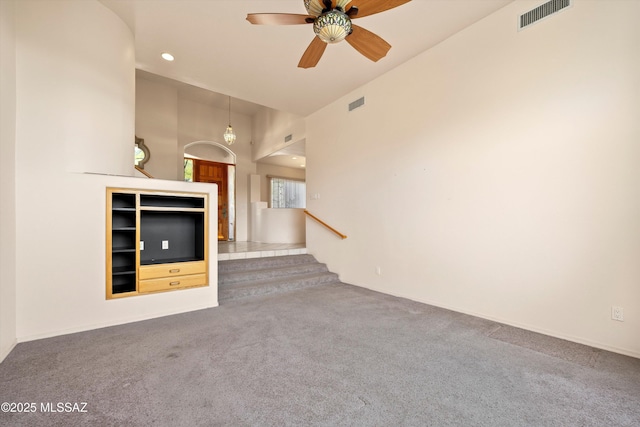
208, 161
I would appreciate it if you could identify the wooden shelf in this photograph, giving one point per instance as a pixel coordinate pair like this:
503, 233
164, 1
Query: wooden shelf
117, 271
170, 209
153, 217
123, 250
169, 261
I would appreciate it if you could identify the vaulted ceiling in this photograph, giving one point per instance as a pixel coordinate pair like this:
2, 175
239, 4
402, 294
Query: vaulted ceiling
216, 49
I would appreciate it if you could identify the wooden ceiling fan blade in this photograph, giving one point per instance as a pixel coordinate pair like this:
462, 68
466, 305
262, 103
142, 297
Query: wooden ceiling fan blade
370, 7
279, 18
312, 55
367, 43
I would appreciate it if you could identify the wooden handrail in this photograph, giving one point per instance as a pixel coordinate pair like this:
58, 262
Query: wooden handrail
143, 172
342, 236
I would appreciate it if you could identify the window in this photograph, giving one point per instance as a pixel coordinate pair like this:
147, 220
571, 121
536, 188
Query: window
288, 193
140, 153
188, 169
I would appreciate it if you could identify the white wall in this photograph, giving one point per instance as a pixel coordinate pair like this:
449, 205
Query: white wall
277, 225
496, 175
157, 124
271, 127
7, 179
81, 140
65, 90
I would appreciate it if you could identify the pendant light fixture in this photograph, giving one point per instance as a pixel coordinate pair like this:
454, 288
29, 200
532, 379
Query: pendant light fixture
229, 136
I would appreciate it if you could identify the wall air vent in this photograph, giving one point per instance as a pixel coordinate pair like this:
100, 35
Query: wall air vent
357, 103
541, 12
288, 138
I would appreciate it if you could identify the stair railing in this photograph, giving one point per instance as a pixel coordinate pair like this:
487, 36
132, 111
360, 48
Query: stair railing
144, 172
342, 236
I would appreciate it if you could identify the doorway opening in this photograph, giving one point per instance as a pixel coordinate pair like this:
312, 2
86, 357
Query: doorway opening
210, 162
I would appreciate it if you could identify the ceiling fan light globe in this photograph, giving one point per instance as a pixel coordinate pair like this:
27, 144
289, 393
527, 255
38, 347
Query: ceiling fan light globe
315, 7
332, 27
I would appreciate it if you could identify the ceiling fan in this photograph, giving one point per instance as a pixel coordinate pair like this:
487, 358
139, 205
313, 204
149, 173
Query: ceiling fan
331, 21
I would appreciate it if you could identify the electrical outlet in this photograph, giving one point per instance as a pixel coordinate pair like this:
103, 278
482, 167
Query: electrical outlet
165, 244
379, 271
617, 313
142, 245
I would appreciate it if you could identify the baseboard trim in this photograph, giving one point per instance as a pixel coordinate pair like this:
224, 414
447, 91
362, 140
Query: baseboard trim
578, 340
124, 321
7, 350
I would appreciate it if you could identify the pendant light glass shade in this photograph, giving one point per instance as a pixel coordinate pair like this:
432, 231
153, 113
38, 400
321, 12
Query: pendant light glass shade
229, 136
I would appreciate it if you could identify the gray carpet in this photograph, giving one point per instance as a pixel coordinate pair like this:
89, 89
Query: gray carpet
332, 355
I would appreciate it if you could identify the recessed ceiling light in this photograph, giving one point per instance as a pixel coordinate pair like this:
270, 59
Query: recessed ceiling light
302, 166
167, 56
294, 158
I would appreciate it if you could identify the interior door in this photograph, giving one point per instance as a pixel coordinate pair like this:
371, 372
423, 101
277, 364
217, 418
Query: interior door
217, 173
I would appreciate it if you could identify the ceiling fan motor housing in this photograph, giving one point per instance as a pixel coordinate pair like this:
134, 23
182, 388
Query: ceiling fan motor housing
317, 7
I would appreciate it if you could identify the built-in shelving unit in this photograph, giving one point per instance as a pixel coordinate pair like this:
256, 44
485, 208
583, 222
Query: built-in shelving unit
122, 254
156, 241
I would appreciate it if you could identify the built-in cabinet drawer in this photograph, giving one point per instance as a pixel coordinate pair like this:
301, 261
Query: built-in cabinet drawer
179, 275
171, 270
168, 283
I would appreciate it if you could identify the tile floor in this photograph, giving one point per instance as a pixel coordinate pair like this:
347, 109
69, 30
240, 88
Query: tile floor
240, 250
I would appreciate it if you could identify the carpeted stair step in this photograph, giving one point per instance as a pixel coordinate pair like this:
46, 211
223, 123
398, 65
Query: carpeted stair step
281, 284
230, 278
260, 276
262, 263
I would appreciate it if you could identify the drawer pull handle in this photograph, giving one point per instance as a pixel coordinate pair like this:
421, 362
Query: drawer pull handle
175, 270
174, 283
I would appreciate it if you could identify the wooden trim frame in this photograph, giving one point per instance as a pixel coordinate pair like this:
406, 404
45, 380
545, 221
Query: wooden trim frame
128, 209
342, 236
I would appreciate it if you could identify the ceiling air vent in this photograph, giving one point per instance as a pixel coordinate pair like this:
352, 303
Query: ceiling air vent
542, 11
288, 138
357, 103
